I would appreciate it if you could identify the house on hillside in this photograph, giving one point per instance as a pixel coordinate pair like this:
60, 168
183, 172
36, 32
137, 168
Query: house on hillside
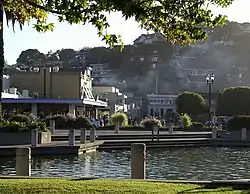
100, 70
149, 38
161, 105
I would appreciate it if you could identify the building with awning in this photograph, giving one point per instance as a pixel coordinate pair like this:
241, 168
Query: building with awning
53, 90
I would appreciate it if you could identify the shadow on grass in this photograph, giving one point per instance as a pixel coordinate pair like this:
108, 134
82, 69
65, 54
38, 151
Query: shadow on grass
207, 188
84, 179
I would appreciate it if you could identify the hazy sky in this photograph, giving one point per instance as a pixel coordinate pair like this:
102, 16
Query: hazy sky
76, 37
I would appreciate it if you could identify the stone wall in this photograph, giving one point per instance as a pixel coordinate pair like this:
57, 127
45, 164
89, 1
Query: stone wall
23, 138
233, 135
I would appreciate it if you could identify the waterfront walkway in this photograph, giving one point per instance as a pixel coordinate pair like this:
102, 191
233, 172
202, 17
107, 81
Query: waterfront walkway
127, 132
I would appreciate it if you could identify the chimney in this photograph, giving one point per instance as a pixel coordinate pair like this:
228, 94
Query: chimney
25, 93
13, 91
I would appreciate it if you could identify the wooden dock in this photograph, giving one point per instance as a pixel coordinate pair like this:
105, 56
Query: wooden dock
53, 149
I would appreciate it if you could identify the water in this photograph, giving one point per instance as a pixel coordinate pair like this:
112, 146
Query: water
184, 163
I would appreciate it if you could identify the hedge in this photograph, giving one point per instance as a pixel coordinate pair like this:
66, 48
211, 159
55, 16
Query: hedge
17, 127
198, 124
22, 118
239, 122
69, 122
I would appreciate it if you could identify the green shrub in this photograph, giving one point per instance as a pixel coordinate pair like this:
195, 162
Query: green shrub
59, 120
13, 127
186, 120
151, 122
20, 127
69, 122
62, 121
83, 122
107, 127
239, 122
120, 118
22, 118
197, 124
40, 126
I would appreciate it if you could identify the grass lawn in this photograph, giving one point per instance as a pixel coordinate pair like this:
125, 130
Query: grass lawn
20, 186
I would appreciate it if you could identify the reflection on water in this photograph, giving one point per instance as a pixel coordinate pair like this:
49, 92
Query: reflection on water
184, 163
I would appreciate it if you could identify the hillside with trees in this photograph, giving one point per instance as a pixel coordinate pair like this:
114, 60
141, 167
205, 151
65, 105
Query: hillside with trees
226, 51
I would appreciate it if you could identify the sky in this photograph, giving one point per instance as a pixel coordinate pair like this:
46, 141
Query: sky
79, 36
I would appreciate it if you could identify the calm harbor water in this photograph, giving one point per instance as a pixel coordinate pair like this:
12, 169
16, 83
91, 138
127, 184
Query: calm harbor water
184, 163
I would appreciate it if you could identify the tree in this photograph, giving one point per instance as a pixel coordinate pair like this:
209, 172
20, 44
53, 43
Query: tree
66, 54
31, 57
21, 12
178, 21
190, 102
226, 32
235, 101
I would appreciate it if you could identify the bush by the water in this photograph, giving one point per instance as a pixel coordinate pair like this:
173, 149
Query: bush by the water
69, 122
23, 118
120, 118
239, 122
125, 127
186, 120
197, 124
83, 122
151, 122
17, 127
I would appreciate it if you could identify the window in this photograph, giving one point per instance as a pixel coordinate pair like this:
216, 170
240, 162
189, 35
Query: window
152, 112
194, 72
170, 110
162, 112
154, 59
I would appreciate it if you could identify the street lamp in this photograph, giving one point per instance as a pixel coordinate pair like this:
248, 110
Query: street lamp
210, 81
156, 79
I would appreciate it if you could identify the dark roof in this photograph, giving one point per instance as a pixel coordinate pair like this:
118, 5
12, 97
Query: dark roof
149, 36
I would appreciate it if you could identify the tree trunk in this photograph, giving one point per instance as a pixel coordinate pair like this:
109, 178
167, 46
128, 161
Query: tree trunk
1, 58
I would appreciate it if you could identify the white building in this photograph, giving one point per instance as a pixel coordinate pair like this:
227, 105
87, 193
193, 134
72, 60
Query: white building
117, 101
9, 92
100, 70
161, 105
